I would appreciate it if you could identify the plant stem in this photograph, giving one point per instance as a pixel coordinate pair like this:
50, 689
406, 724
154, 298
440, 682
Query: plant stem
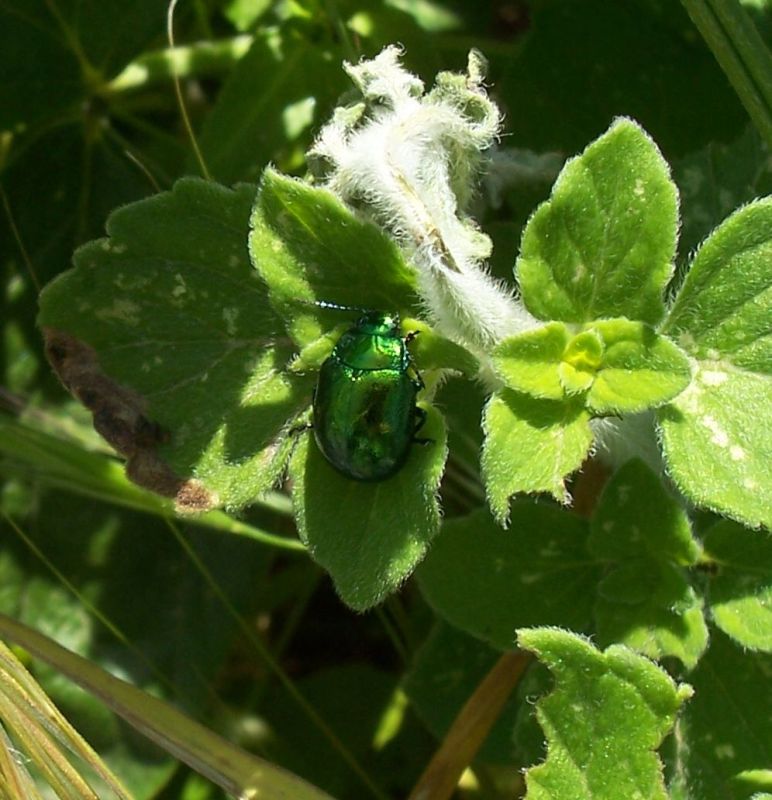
202, 59
469, 729
741, 52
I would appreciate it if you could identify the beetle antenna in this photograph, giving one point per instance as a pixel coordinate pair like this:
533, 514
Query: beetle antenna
339, 307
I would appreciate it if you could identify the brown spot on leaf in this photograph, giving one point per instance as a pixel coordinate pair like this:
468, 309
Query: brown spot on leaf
193, 498
119, 417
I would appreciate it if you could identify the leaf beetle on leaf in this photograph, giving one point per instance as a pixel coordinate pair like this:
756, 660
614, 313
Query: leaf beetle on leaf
364, 410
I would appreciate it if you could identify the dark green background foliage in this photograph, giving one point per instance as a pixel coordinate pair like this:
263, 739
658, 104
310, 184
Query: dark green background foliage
89, 122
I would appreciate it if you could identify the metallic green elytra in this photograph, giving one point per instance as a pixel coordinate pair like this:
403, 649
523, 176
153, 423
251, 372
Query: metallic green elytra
364, 412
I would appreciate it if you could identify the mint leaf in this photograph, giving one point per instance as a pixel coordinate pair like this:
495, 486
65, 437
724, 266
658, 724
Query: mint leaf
165, 332
639, 369
308, 246
637, 517
720, 311
723, 737
580, 362
645, 600
369, 536
715, 435
603, 244
530, 445
488, 582
529, 362
740, 596
432, 351
607, 714
622, 365
649, 606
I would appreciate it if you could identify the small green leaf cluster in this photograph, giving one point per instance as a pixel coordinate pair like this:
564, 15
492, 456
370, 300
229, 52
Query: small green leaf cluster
595, 262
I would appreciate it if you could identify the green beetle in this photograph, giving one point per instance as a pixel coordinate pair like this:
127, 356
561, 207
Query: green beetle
365, 415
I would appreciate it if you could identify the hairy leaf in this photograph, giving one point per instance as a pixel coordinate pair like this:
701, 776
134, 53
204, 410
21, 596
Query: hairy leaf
639, 369
308, 246
529, 362
649, 606
490, 582
716, 435
165, 333
740, 595
603, 244
636, 516
608, 712
531, 445
645, 601
369, 536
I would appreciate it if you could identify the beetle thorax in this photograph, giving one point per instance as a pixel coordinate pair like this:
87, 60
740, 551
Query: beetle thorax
370, 351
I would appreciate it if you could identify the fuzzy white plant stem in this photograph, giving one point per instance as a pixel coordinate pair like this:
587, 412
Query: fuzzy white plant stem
411, 160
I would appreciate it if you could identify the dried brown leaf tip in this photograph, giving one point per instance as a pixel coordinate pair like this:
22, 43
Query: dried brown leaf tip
119, 417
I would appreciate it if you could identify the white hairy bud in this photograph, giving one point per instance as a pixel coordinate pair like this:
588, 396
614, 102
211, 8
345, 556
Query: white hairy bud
411, 160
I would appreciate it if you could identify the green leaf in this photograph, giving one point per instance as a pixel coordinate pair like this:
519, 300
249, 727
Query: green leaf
716, 180
447, 668
718, 443
581, 361
722, 739
369, 536
529, 362
308, 246
716, 436
489, 582
624, 366
722, 309
244, 14
609, 711
432, 351
603, 244
637, 517
649, 606
639, 370
270, 105
645, 601
165, 333
740, 595
530, 446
